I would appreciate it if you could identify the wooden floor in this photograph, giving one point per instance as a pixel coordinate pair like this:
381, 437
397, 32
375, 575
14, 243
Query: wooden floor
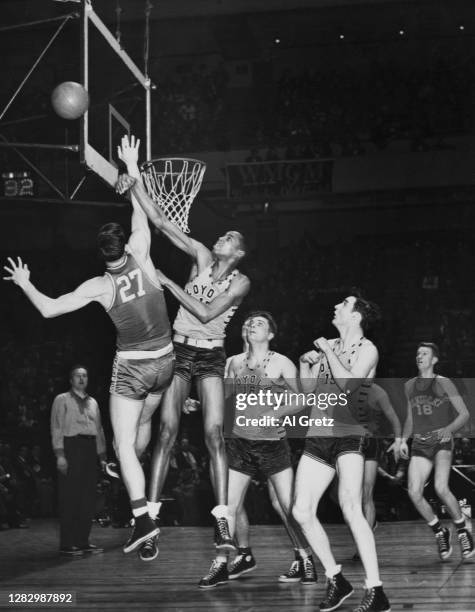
414, 577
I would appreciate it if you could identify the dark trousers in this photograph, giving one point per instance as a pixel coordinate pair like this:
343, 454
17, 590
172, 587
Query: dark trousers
77, 491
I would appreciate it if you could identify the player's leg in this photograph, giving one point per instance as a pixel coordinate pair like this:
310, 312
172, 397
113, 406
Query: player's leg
442, 468
170, 413
281, 490
211, 390
240, 460
125, 416
369, 480
418, 473
311, 481
218, 573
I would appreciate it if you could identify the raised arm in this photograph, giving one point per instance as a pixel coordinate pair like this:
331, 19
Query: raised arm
139, 240
192, 247
92, 290
207, 312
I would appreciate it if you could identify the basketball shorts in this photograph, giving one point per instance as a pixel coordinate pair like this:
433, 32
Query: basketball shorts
137, 378
251, 457
196, 362
327, 450
371, 449
428, 445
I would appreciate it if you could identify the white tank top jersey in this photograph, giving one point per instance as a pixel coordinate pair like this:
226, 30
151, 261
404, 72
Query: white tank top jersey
205, 289
349, 420
249, 380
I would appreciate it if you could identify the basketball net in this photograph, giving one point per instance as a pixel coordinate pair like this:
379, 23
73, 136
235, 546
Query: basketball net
173, 183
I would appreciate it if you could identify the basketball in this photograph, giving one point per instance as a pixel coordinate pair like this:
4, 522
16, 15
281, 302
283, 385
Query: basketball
70, 100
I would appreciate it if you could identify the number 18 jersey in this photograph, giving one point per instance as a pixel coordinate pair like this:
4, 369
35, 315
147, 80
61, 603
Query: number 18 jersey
138, 309
431, 407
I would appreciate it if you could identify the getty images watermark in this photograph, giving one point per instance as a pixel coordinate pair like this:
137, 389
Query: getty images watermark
270, 400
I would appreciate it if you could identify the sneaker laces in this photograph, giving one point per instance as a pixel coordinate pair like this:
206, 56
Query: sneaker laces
237, 560
223, 528
332, 588
367, 601
308, 568
465, 541
294, 568
442, 540
149, 544
214, 569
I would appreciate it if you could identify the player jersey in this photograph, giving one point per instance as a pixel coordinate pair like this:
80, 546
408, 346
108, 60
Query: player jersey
349, 420
205, 289
430, 405
250, 381
138, 309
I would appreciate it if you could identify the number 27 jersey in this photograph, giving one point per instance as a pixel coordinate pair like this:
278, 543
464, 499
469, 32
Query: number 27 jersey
138, 309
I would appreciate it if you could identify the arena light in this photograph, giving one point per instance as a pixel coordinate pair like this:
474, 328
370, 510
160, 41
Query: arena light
342, 36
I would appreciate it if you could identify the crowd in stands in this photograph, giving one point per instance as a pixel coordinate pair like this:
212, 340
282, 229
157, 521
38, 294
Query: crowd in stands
305, 112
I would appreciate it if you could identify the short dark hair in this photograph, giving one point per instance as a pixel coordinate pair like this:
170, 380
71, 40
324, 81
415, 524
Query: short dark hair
265, 315
111, 241
433, 347
242, 243
77, 366
369, 311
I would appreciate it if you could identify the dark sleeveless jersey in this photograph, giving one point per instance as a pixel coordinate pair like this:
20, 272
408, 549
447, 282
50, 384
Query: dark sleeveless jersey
430, 405
138, 309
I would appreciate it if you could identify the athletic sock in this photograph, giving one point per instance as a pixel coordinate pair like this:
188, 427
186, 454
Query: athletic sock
435, 525
302, 553
153, 509
244, 550
333, 571
371, 584
221, 558
139, 506
460, 525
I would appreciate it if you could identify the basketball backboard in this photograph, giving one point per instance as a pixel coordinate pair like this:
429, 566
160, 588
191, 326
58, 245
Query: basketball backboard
119, 94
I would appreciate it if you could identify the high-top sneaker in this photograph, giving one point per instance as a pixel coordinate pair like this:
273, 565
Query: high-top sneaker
338, 589
222, 539
374, 600
442, 538
242, 564
149, 550
295, 573
218, 574
144, 529
309, 573
466, 543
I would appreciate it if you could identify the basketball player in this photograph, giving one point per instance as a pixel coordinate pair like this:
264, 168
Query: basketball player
340, 365
430, 402
143, 366
254, 449
213, 293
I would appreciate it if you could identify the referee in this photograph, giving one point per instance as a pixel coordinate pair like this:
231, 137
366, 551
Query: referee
77, 438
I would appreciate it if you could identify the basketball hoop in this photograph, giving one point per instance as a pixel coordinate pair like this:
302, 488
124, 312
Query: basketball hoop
172, 183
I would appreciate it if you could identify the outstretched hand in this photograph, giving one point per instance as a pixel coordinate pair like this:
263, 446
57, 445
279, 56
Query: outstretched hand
124, 183
19, 272
128, 150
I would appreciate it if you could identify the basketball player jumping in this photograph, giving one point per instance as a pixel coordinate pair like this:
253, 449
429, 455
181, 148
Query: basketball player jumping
210, 298
430, 402
143, 366
341, 364
254, 449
